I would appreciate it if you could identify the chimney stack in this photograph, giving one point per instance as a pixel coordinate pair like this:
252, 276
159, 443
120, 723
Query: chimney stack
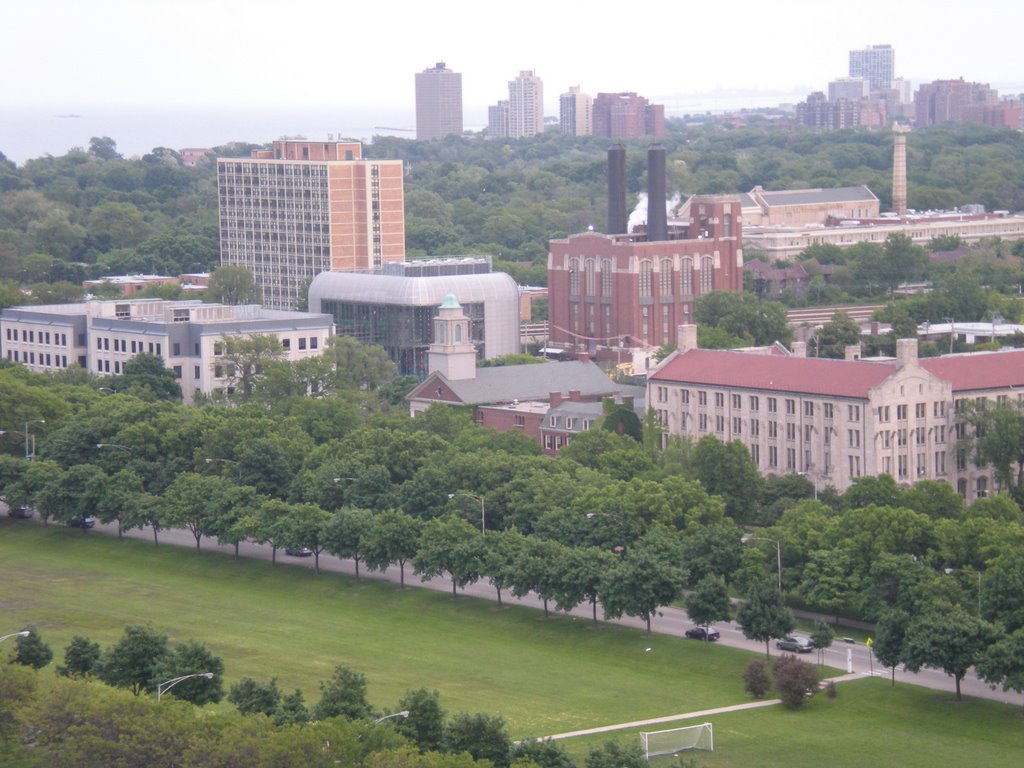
657, 218
899, 170
617, 220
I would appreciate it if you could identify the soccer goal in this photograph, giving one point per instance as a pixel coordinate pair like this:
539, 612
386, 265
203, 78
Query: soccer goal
675, 740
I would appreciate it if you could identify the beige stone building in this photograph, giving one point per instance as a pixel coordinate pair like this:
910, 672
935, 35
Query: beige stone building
836, 420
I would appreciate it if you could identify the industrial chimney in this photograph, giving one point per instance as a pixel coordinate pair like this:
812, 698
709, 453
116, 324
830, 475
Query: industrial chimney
617, 220
657, 218
899, 169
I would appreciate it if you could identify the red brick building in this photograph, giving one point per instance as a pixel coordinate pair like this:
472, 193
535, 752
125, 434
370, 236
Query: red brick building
626, 115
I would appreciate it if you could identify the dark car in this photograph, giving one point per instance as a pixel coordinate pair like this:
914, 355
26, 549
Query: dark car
22, 513
702, 633
796, 644
83, 522
298, 551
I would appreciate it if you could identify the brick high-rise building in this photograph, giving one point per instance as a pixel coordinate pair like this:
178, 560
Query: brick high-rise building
525, 105
876, 64
438, 103
575, 112
302, 208
951, 101
626, 115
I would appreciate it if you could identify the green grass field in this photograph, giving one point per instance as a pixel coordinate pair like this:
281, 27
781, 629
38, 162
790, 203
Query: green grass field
543, 676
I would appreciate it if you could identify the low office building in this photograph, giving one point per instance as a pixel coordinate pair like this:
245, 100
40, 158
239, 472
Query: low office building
836, 420
101, 336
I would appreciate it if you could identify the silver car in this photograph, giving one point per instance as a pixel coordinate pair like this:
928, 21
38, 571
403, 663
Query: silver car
795, 643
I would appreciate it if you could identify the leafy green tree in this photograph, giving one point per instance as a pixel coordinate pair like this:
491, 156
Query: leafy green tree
425, 725
827, 581
1002, 590
947, 637
133, 660
292, 710
726, 470
612, 754
146, 377
709, 602
192, 658
31, 651
821, 639
80, 657
307, 525
17, 689
583, 577
1002, 663
763, 616
251, 696
359, 366
232, 285
196, 502
343, 695
503, 551
756, 679
392, 538
482, 736
890, 639
649, 576
544, 753
997, 439
245, 360
744, 315
450, 546
835, 336
345, 534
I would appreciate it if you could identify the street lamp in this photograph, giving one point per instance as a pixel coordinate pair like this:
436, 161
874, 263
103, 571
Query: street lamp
403, 713
23, 633
948, 571
483, 513
778, 553
164, 687
114, 445
29, 454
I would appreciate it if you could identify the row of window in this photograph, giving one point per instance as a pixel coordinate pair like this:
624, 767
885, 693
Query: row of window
754, 403
920, 411
45, 337
45, 358
646, 277
122, 345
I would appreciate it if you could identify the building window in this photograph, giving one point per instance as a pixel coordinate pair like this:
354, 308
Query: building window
773, 456
853, 438
790, 406
606, 278
702, 422
737, 425
853, 411
755, 428
755, 454
981, 487
773, 405
702, 397
791, 459
921, 410
686, 276
684, 396
706, 275
665, 278
827, 408
590, 278
791, 431
737, 401
901, 463
645, 278
919, 436
883, 413
719, 424
773, 429
808, 408
719, 399
574, 277
302, 341
177, 371
755, 403
901, 412
940, 409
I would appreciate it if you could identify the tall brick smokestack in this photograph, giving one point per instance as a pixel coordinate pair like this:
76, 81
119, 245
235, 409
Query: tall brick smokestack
617, 219
899, 170
657, 219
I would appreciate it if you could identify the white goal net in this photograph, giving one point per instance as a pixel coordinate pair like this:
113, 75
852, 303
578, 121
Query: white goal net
675, 740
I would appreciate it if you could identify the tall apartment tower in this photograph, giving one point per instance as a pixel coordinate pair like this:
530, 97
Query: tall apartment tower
626, 115
525, 105
875, 64
302, 208
575, 112
438, 103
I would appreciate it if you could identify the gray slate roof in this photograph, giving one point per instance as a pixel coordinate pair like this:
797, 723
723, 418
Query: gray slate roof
812, 196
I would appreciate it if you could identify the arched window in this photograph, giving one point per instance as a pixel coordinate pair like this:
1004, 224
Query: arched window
590, 285
686, 276
606, 278
440, 334
574, 277
665, 278
645, 278
707, 271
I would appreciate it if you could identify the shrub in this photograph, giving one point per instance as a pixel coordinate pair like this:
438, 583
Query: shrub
756, 680
795, 680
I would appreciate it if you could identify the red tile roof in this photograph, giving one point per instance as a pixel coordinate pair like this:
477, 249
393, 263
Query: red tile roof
813, 376
979, 370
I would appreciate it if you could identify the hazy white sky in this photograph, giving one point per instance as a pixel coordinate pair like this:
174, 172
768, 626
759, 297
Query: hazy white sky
68, 53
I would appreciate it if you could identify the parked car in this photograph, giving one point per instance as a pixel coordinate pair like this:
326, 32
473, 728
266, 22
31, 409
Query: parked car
702, 633
22, 513
796, 644
83, 522
298, 551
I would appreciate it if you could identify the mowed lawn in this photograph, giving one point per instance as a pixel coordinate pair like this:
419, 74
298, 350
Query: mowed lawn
542, 676
868, 724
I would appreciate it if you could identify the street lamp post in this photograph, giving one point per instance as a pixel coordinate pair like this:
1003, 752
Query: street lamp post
30, 453
778, 553
483, 513
403, 713
115, 446
948, 571
165, 686
23, 633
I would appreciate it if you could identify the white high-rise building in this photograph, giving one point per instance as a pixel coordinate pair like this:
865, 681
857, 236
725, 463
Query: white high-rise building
526, 105
575, 112
876, 64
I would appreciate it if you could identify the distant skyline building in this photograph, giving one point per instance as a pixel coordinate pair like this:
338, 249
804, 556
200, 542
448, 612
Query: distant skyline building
876, 64
575, 112
438, 103
953, 101
302, 208
525, 105
851, 88
497, 119
821, 114
626, 115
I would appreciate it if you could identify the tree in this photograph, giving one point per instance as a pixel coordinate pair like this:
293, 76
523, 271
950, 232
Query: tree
196, 502
502, 552
821, 639
835, 336
744, 315
612, 754
763, 616
80, 657
538, 569
343, 695
890, 636
756, 680
345, 533
245, 359
425, 724
146, 376
709, 602
31, 651
795, 680
132, 662
307, 525
251, 696
392, 538
997, 439
453, 546
482, 736
193, 658
292, 710
649, 576
947, 637
359, 366
726, 470
544, 753
827, 581
1003, 662
103, 148
230, 284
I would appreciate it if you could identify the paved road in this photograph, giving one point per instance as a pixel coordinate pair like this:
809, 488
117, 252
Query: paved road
670, 621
